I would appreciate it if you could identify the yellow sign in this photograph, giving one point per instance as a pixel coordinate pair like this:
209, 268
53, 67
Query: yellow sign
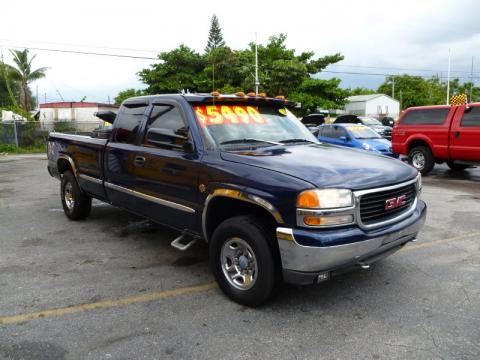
460, 99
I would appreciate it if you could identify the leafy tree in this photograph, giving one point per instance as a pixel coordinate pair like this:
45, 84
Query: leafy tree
23, 73
181, 68
215, 37
360, 91
125, 94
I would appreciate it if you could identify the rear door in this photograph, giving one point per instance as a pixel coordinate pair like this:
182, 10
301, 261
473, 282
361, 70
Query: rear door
167, 176
120, 154
465, 134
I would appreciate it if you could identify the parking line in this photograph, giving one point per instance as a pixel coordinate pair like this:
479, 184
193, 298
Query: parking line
15, 319
8, 320
440, 241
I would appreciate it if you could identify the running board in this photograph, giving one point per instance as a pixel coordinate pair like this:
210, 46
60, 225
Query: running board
180, 244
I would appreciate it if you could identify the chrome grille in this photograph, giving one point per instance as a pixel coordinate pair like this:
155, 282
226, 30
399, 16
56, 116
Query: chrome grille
373, 205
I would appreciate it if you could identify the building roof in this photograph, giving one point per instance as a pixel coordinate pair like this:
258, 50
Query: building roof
364, 98
75, 104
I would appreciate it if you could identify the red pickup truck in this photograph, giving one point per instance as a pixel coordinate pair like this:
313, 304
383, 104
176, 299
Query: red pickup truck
437, 134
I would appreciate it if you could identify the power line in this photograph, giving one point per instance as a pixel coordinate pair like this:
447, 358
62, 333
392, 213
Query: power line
385, 74
85, 52
397, 68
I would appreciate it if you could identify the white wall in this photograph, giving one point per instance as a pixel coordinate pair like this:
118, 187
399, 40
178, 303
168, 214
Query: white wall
382, 105
379, 105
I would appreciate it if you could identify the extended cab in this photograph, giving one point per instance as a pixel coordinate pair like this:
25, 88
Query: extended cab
437, 134
243, 174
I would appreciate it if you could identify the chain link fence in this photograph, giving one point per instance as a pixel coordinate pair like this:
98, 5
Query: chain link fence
35, 133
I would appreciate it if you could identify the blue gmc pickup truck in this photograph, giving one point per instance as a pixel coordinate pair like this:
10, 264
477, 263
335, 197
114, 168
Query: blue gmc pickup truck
243, 174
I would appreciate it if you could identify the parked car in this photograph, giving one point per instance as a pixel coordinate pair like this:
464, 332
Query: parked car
356, 136
243, 174
437, 134
384, 131
313, 121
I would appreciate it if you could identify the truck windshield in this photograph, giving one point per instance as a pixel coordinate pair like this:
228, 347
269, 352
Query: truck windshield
363, 132
244, 125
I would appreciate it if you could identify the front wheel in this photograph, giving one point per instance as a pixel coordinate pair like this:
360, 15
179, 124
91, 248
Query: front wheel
242, 258
422, 159
76, 204
456, 167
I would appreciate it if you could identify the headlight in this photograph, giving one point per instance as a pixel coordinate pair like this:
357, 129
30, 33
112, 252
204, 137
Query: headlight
419, 183
366, 146
325, 199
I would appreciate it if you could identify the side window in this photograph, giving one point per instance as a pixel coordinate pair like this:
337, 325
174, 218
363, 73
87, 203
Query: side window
337, 132
327, 131
166, 117
426, 117
127, 123
471, 117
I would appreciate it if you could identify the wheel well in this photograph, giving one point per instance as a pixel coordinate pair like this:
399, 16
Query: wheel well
63, 165
221, 208
416, 143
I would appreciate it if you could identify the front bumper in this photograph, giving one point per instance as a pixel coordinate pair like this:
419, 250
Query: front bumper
303, 263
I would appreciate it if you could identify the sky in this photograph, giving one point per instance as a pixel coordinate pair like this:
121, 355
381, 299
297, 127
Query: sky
377, 37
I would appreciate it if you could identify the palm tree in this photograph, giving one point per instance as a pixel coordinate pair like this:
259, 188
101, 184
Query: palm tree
24, 74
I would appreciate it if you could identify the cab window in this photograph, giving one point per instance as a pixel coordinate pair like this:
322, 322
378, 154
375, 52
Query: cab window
425, 117
471, 117
127, 123
167, 117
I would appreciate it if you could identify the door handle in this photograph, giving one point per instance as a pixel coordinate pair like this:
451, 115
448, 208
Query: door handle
456, 134
139, 161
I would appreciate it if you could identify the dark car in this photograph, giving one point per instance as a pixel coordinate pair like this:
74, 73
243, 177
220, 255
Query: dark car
313, 121
384, 131
243, 174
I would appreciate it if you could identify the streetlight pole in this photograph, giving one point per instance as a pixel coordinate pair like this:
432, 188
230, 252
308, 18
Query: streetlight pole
257, 83
448, 79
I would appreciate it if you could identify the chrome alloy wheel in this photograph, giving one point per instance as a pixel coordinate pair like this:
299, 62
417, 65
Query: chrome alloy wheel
239, 264
418, 160
68, 195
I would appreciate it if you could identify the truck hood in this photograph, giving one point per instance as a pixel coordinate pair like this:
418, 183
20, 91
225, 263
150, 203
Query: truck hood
327, 166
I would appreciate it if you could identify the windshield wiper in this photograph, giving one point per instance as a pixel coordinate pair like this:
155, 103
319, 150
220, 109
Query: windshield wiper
290, 141
248, 141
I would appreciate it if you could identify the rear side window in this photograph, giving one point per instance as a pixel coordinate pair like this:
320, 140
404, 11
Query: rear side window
127, 123
426, 117
327, 131
471, 117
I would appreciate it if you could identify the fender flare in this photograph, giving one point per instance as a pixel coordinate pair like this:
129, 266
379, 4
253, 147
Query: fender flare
242, 196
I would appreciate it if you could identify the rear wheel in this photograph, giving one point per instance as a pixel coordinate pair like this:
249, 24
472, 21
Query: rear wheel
242, 258
456, 167
422, 159
76, 204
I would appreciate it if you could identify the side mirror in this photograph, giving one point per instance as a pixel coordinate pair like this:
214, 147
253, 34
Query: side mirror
344, 138
168, 138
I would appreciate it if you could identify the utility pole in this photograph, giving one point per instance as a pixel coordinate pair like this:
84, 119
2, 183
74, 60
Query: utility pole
109, 100
393, 86
471, 81
45, 97
257, 83
448, 79
38, 105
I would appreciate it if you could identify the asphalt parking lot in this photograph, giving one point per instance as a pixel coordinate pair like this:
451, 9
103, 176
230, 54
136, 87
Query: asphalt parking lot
111, 287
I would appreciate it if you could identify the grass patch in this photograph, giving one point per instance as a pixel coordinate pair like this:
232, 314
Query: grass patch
12, 149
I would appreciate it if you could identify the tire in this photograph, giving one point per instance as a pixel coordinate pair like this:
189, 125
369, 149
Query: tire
245, 243
76, 204
456, 167
421, 158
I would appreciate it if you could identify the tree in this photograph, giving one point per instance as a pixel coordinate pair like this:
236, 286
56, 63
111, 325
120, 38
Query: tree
360, 91
181, 68
215, 37
281, 72
125, 94
24, 74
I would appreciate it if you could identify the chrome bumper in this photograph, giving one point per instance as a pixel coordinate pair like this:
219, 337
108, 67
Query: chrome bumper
313, 259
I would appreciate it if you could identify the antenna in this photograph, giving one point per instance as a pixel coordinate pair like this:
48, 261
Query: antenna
257, 83
471, 81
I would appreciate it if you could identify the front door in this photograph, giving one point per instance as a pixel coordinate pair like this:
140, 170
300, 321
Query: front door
465, 134
167, 176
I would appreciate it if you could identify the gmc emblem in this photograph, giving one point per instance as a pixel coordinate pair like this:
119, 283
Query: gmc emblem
395, 202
